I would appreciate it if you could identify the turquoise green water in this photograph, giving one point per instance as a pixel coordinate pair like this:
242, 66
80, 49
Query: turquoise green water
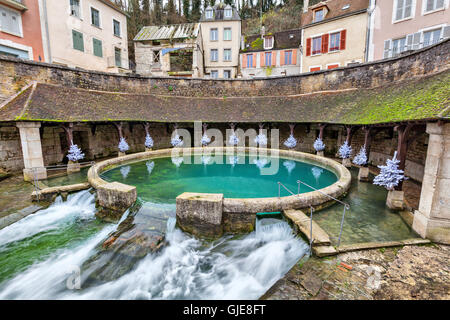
368, 218
161, 181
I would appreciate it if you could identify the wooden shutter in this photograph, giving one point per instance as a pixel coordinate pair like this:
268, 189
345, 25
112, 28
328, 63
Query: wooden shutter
325, 43
274, 58
308, 47
387, 49
446, 32
282, 57
416, 40
77, 40
244, 60
343, 39
254, 60
97, 48
409, 42
294, 57
261, 60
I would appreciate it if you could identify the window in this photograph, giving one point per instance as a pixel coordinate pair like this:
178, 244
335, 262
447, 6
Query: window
318, 15
333, 66
75, 8
398, 46
228, 12
214, 34
316, 45
335, 40
288, 57
10, 21
268, 42
227, 74
227, 34
209, 14
312, 69
214, 74
95, 17
118, 57
116, 27
214, 55
431, 37
78, 43
249, 60
226, 54
432, 5
268, 59
403, 9
97, 44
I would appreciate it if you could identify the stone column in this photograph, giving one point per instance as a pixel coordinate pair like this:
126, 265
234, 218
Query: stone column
432, 220
33, 159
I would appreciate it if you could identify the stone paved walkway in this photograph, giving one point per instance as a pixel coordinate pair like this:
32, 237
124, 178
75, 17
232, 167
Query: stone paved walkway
411, 272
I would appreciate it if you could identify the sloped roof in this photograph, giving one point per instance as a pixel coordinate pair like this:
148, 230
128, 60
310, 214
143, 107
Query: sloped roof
287, 39
423, 98
336, 8
218, 14
167, 32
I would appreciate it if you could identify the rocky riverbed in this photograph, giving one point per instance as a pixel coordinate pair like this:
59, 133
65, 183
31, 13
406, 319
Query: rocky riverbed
410, 272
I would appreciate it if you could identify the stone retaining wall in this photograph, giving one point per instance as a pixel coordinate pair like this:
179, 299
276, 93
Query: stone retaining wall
17, 73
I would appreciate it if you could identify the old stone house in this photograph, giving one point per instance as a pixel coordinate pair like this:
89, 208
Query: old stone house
169, 50
271, 54
334, 34
220, 27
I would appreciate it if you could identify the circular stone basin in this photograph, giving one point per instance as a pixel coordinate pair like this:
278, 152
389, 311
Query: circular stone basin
161, 180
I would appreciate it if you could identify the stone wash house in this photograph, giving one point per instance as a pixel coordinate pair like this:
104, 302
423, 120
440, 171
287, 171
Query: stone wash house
334, 34
271, 54
169, 50
220, 28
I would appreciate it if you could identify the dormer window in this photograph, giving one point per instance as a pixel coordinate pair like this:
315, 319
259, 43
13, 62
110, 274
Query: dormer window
268, 42
209, 13
319, 14
228, 11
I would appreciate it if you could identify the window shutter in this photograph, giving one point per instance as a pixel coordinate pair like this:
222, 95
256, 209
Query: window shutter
446, 32
77, 40
274, 58
281, 57
409, 42
244, 61
97, 48
416, 40
294, 56
387, 47
261, 59
325, 43
308, 47
254, 60
343, 39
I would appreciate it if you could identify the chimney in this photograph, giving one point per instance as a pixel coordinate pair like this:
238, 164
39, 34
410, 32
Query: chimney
305, 6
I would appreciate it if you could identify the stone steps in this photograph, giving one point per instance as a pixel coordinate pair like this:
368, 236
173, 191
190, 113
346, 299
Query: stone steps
302, 221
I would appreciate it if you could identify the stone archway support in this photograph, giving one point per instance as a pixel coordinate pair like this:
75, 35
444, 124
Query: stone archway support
33, 158
432, 220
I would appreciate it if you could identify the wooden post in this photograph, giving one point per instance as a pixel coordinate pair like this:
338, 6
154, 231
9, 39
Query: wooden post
118, 126
402, 147
68, 128
321, 128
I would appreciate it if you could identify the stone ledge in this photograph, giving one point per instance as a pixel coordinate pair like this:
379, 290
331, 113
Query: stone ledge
385, 244
320, 237
48, 193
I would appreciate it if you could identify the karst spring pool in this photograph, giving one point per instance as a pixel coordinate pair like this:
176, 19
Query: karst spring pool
63, 252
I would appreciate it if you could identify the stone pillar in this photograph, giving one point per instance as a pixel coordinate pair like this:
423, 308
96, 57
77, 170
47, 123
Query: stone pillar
432, 220
33, 159
200, 214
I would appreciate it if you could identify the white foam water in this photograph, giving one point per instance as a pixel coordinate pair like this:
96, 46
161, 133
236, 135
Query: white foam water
186, 268
80, 205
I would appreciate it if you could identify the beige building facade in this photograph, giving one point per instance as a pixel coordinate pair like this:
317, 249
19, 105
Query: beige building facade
88, 34
334, 34
220, 28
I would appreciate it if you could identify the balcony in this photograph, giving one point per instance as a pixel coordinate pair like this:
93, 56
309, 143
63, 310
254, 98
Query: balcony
16, 4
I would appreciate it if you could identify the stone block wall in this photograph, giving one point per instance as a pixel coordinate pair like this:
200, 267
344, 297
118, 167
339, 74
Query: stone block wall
17, 73
10, 148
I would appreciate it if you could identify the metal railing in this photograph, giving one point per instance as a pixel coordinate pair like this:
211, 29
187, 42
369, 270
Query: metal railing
345, 205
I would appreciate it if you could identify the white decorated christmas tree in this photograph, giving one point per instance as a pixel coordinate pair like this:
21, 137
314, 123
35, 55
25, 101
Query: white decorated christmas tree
390, 175
205, 140
361, 158
345, 151
123, 145
290, 142
176, 141
148, 141
234, 140
261, 139
75, 153
319, 145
